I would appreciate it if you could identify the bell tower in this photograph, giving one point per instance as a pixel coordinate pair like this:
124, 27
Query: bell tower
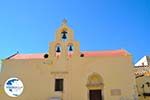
64, 44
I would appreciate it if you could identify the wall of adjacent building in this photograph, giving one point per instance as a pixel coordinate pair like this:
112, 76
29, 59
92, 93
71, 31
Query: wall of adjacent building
142, 62
142, 72
140, 81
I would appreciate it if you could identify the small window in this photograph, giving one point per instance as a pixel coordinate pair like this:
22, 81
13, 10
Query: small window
59, 84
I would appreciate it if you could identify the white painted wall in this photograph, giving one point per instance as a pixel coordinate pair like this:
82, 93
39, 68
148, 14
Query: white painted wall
142, 61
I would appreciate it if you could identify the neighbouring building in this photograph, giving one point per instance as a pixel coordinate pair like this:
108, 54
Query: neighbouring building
66, 73
144, 61
142, 73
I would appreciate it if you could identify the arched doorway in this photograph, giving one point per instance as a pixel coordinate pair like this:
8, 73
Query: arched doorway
95, 86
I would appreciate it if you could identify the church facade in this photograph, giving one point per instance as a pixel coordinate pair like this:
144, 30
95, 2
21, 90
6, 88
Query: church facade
66, 73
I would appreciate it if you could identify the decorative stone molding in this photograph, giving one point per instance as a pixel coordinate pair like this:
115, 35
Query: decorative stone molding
95, 81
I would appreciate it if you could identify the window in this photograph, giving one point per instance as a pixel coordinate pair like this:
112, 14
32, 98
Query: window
59, 84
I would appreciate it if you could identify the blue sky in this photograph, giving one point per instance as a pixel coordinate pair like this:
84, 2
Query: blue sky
28, 26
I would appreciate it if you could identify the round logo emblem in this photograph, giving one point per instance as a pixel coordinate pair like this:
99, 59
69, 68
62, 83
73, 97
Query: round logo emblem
13, 87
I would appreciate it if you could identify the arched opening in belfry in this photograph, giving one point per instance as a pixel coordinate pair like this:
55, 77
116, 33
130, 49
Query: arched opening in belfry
70, 50
64, 35
58, 50
95, 87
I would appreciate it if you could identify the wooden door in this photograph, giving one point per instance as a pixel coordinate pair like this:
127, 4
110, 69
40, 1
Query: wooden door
95, 95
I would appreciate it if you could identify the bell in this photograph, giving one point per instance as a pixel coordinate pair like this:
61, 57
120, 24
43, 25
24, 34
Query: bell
70, 48
58, 49
64, 36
